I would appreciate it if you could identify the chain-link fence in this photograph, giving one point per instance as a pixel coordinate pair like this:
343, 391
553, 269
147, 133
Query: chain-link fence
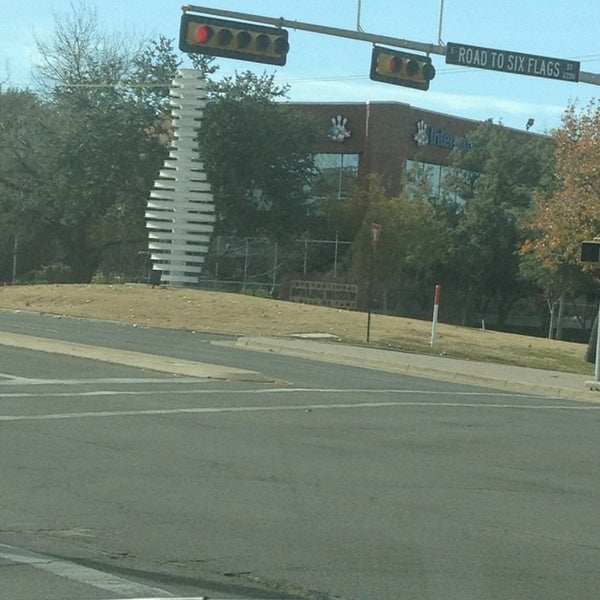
264, 267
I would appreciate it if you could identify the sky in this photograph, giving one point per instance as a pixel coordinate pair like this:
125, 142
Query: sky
323, 68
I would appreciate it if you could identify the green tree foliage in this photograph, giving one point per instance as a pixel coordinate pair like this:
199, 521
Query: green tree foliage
152, 70
79, 157
567, 213
258, 157
409, 251
494, 184
108, 139
25, 213
410, 247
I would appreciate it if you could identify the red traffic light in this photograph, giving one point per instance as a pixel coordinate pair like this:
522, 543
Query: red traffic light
401, 68
231, 39
204, 34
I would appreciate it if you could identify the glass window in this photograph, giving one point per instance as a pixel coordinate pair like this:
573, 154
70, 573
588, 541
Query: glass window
337, 176
433, 174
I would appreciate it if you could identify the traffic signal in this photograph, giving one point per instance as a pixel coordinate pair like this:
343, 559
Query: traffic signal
401, 68
590, 252
232, 39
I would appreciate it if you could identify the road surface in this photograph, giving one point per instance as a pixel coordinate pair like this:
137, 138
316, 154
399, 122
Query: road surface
319, 481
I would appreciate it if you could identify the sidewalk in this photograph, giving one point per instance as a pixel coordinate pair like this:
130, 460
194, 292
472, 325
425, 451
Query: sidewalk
505, 377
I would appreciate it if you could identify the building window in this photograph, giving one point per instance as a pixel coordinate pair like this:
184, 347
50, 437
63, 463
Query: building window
435, 175
337, 176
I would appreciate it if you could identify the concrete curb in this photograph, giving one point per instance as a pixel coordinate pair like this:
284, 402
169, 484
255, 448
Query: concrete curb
140, 360
504, 377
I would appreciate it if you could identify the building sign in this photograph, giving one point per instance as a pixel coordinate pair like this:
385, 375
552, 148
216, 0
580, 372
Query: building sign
325, 293
512, 62
339, 130
429, 136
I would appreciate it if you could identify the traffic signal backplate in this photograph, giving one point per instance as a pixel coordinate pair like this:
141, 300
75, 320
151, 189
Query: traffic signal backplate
233, 39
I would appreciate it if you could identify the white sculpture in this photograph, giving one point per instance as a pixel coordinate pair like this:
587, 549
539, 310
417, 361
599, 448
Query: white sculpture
180, 212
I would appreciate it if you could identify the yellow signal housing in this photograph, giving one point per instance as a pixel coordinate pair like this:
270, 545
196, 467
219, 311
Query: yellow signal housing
199, 34
401, 68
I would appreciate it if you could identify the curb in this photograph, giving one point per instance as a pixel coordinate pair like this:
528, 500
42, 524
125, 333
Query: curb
503, 377
129, 358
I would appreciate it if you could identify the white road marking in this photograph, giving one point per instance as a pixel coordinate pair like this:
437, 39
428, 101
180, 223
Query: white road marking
13, 380
257, 391
296, 407
81, 574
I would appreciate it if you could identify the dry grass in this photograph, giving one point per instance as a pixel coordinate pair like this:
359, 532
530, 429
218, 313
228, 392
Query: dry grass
217, 312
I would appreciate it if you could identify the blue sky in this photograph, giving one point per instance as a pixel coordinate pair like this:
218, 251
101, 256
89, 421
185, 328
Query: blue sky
323, 68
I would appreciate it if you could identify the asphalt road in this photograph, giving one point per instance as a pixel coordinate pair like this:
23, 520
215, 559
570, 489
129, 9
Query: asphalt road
327, 482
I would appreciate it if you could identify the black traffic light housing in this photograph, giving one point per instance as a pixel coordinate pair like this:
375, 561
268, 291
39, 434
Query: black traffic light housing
590, 252
401, 68
232, 39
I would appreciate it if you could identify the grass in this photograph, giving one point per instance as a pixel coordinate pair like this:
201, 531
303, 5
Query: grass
216, 312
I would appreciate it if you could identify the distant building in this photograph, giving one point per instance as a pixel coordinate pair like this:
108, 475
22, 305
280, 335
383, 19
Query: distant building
384, 138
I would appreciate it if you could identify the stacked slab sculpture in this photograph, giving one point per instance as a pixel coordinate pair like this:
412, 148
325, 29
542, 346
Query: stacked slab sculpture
180, 213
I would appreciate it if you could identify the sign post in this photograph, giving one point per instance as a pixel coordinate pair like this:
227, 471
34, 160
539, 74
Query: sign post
375, 233
590, 256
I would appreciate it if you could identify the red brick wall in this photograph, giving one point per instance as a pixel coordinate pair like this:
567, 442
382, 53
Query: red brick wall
383, 134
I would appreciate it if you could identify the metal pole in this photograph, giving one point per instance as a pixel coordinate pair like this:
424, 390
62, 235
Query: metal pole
340, 177
358, 27
585, 77
314, 28
369, 302
274, 269
218, 251
335, 255
245, 266
305, 256
440, 25
14, 263
363, 36
597, 362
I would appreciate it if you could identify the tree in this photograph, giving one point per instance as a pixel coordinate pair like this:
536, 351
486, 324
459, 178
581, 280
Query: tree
495, 181
25, 214
108, 139
152, 70
567, 214
258, 157
410, 247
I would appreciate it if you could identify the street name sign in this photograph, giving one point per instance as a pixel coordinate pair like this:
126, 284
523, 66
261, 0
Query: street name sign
508, 61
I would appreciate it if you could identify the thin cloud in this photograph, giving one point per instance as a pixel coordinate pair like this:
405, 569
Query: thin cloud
476, 107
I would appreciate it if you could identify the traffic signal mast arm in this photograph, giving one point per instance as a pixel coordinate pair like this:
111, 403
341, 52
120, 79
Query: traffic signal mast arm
584, 77
334, 31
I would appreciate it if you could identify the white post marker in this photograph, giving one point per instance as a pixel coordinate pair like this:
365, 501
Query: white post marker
436, 306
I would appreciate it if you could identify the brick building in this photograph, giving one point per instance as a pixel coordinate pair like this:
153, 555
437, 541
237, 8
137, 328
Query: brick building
384, 138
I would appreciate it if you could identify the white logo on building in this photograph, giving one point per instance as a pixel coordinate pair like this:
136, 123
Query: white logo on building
422, 136
339, 131
439, 138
